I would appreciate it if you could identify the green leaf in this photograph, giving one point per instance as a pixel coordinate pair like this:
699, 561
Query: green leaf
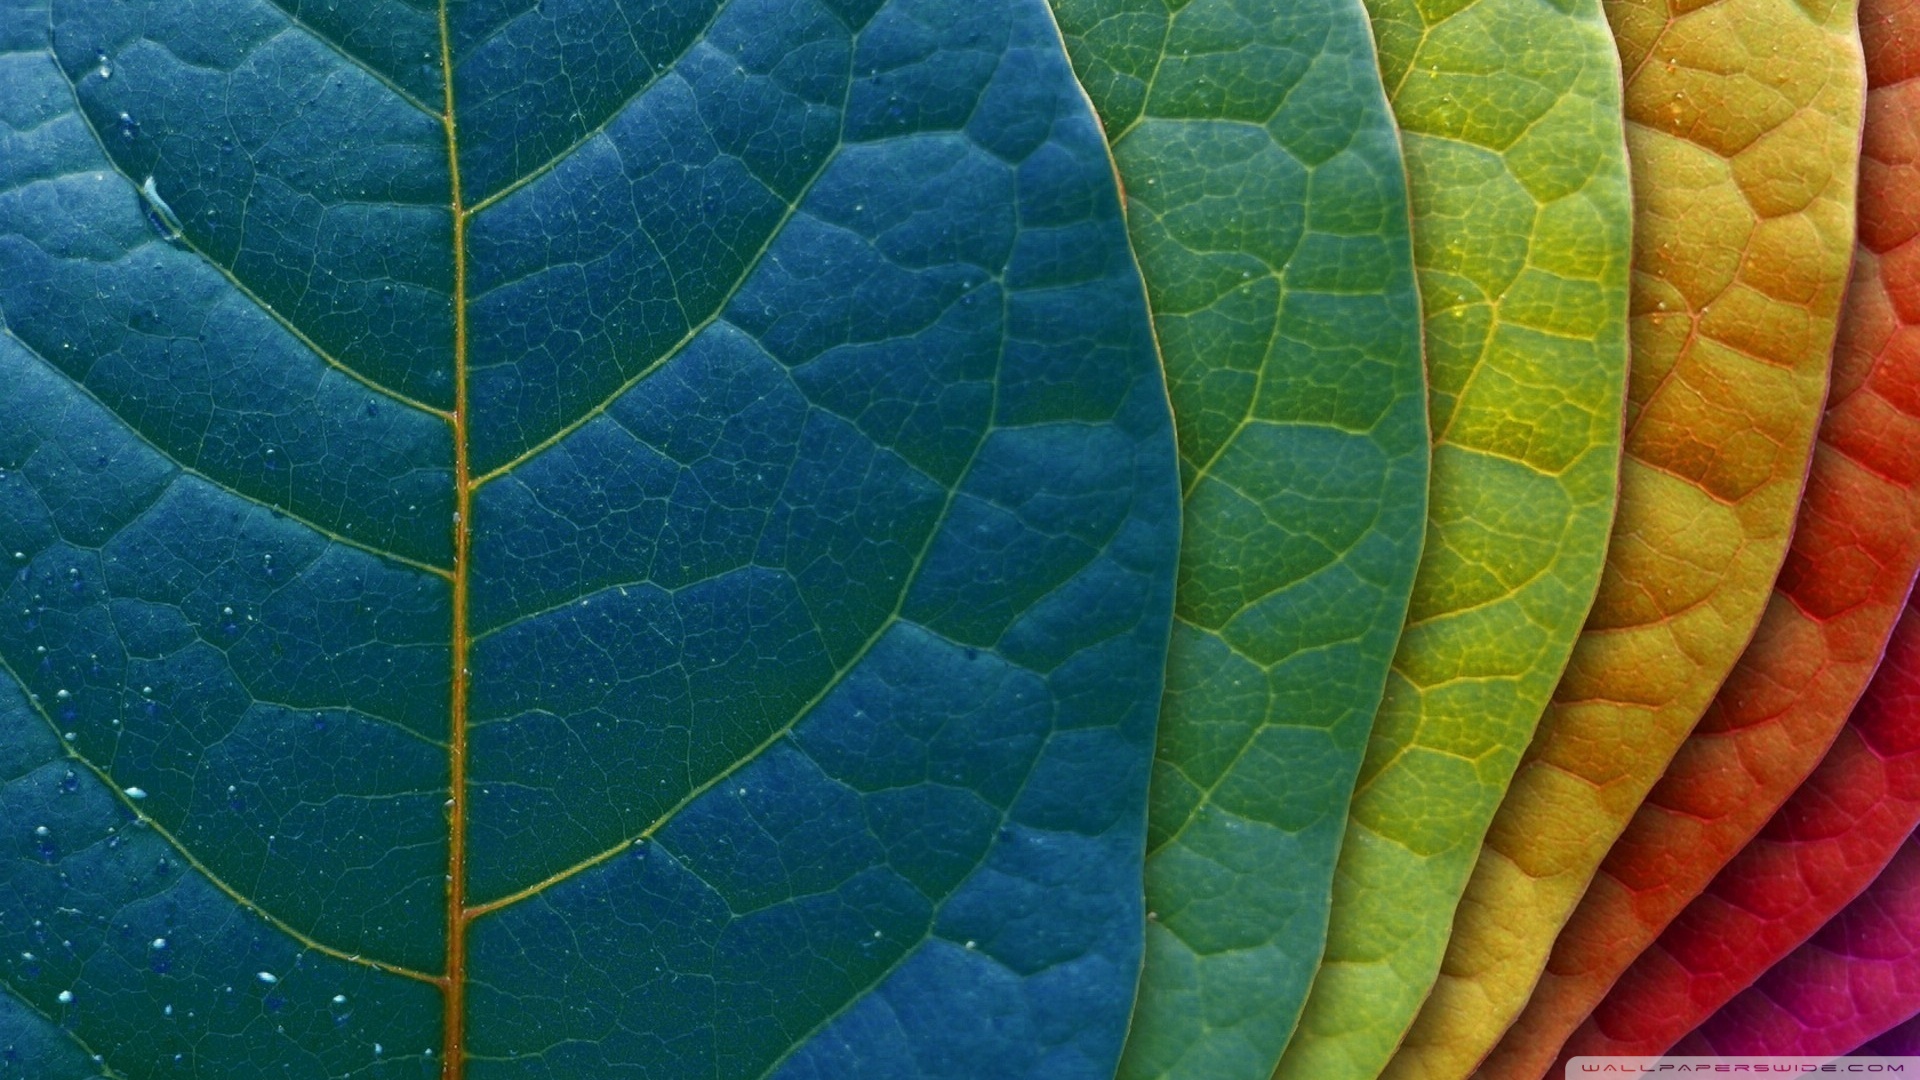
682, 592
1744, 158
1510, 112
1267, 203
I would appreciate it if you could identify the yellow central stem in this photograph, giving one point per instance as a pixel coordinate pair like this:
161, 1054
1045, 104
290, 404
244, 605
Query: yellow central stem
454, 983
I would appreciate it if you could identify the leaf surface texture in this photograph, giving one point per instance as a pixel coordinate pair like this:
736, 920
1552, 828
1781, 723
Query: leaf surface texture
1842, 588
1826, 844
1854, 808
1743, 126
1902, 1040
1267, 204
1856, 978
587, 538
1510, 117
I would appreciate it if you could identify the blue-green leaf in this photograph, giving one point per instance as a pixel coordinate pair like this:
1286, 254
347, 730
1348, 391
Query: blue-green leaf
1267, 201
570, 538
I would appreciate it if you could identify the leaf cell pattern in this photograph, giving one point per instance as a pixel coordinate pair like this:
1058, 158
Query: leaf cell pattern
1852, 811
1844, 584
1743, 127
1510, 116
1856, 978
1902, 1040
571, 538
1266, 199
1830, 841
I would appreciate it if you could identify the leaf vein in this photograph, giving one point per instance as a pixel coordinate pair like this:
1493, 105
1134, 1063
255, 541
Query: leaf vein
652, 80
98, 1059
255, 500
286, 324
906, 953
193, 860
806, 709
378, 76
672, 351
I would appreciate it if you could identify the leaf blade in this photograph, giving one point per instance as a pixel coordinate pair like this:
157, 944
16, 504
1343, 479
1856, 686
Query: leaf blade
1807, 1003
1508, 114
1849, 819
899, 429
1741, 267
1267, 206
1859, 497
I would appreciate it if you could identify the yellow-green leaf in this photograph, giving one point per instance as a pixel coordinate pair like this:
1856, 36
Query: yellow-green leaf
1510, 116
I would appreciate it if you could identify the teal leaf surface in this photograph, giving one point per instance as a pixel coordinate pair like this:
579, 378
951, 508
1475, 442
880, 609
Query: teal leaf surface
570, 538
1267, 201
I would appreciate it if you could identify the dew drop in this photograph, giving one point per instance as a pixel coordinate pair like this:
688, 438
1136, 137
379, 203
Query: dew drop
66, 997
106, 66
267, 977
339, 999
159, 943
136, 793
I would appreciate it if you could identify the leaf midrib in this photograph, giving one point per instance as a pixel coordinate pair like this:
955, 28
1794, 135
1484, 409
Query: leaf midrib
460, 911
453, 988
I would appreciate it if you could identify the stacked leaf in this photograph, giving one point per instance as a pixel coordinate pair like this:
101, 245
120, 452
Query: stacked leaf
1768, 720
1743, 130
1853, 559
1510, 117
579, 539
626, 538
1857, 977
1830, 841
1267, 204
